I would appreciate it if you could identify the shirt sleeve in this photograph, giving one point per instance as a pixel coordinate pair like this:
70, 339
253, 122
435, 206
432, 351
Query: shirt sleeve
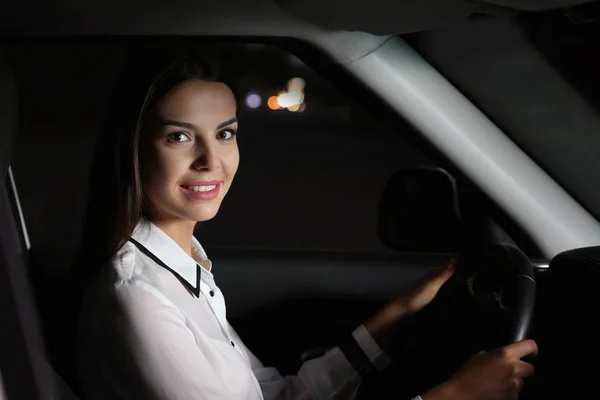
148, 352
336, 375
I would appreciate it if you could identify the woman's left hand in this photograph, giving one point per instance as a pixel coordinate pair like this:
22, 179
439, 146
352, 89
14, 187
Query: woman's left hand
410, 302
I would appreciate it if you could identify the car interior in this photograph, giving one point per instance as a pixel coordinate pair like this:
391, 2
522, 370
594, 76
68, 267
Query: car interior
377, 141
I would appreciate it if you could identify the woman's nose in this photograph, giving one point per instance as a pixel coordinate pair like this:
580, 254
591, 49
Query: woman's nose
206, 159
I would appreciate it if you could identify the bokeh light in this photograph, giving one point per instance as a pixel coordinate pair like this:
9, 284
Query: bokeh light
290, 99
253, 100
296, 84
272, 103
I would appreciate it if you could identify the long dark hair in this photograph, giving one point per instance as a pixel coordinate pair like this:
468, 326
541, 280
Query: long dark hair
115, 197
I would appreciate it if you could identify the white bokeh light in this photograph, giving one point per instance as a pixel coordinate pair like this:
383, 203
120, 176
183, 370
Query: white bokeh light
290, 99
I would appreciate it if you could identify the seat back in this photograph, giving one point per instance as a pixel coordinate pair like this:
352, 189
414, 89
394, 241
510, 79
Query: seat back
25, 372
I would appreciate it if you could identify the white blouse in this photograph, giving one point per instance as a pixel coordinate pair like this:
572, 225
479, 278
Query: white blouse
153, 326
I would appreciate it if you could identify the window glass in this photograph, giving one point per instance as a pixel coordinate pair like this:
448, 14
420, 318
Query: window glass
313, 163
309, 179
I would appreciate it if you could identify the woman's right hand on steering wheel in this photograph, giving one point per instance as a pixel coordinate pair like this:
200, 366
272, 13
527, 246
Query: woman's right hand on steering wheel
493, 375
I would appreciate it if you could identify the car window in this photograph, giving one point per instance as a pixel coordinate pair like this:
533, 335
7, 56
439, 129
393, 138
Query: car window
313, 163
311, 175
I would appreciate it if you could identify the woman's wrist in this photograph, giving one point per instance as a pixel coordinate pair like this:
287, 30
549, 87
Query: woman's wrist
444, 391
382, 325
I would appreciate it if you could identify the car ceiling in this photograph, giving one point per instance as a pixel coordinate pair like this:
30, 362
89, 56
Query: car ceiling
252, 17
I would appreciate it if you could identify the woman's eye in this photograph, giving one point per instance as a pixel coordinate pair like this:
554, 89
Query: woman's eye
226, 134
178, 137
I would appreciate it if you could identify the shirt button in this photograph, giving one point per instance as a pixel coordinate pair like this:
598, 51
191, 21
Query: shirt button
233, 344
212, 293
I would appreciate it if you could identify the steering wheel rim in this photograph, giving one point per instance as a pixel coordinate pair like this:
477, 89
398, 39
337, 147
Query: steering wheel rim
507, 266
526, 289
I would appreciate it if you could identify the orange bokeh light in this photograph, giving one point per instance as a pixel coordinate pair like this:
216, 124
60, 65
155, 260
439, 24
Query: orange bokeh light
272, 103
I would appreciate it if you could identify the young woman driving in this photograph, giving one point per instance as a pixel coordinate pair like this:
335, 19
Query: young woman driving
153, 323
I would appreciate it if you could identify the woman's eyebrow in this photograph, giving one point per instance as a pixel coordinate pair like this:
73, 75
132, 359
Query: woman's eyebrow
187, 125
228, 122
180, 124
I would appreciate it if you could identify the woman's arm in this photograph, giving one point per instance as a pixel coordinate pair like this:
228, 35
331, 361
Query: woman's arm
335, 375
146, 351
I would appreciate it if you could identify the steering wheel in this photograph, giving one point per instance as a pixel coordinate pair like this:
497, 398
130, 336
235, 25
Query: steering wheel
489, 302
504, 275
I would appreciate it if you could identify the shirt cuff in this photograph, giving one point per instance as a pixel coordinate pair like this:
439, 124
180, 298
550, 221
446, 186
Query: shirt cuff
369, 346
363, 353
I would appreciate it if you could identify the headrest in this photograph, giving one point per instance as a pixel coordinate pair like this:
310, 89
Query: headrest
8, 115
419, 212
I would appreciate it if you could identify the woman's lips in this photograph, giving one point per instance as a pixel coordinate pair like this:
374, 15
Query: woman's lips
201, 190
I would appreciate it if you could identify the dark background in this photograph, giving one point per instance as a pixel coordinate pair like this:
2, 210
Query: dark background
308, 181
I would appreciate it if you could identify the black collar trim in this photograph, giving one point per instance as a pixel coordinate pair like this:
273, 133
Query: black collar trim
195, 290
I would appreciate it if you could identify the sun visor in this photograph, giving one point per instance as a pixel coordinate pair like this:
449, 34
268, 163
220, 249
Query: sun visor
386, 17
8, 115
536, 5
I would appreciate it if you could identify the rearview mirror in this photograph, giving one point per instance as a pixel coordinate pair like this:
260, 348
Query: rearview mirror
419, 212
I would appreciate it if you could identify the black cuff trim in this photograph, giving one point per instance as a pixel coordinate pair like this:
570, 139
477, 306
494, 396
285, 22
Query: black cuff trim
357, 358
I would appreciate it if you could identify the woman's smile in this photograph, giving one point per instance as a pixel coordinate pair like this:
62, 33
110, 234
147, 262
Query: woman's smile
201, 190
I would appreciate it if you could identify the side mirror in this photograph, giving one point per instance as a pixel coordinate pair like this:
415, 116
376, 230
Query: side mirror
419, 212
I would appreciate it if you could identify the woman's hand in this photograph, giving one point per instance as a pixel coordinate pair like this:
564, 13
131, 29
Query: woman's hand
424, 291
381, 325
493, 375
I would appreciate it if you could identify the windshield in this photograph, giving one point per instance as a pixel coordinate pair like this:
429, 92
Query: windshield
537, 77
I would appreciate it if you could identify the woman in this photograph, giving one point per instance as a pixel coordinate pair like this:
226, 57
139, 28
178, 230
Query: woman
153, 322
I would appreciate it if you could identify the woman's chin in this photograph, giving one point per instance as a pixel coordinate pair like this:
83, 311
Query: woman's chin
204, 213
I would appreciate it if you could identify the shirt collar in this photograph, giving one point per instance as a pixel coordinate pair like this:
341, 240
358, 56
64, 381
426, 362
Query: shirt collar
160, 247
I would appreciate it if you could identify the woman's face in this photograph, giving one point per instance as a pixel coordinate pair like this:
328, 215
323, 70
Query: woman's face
189, 153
